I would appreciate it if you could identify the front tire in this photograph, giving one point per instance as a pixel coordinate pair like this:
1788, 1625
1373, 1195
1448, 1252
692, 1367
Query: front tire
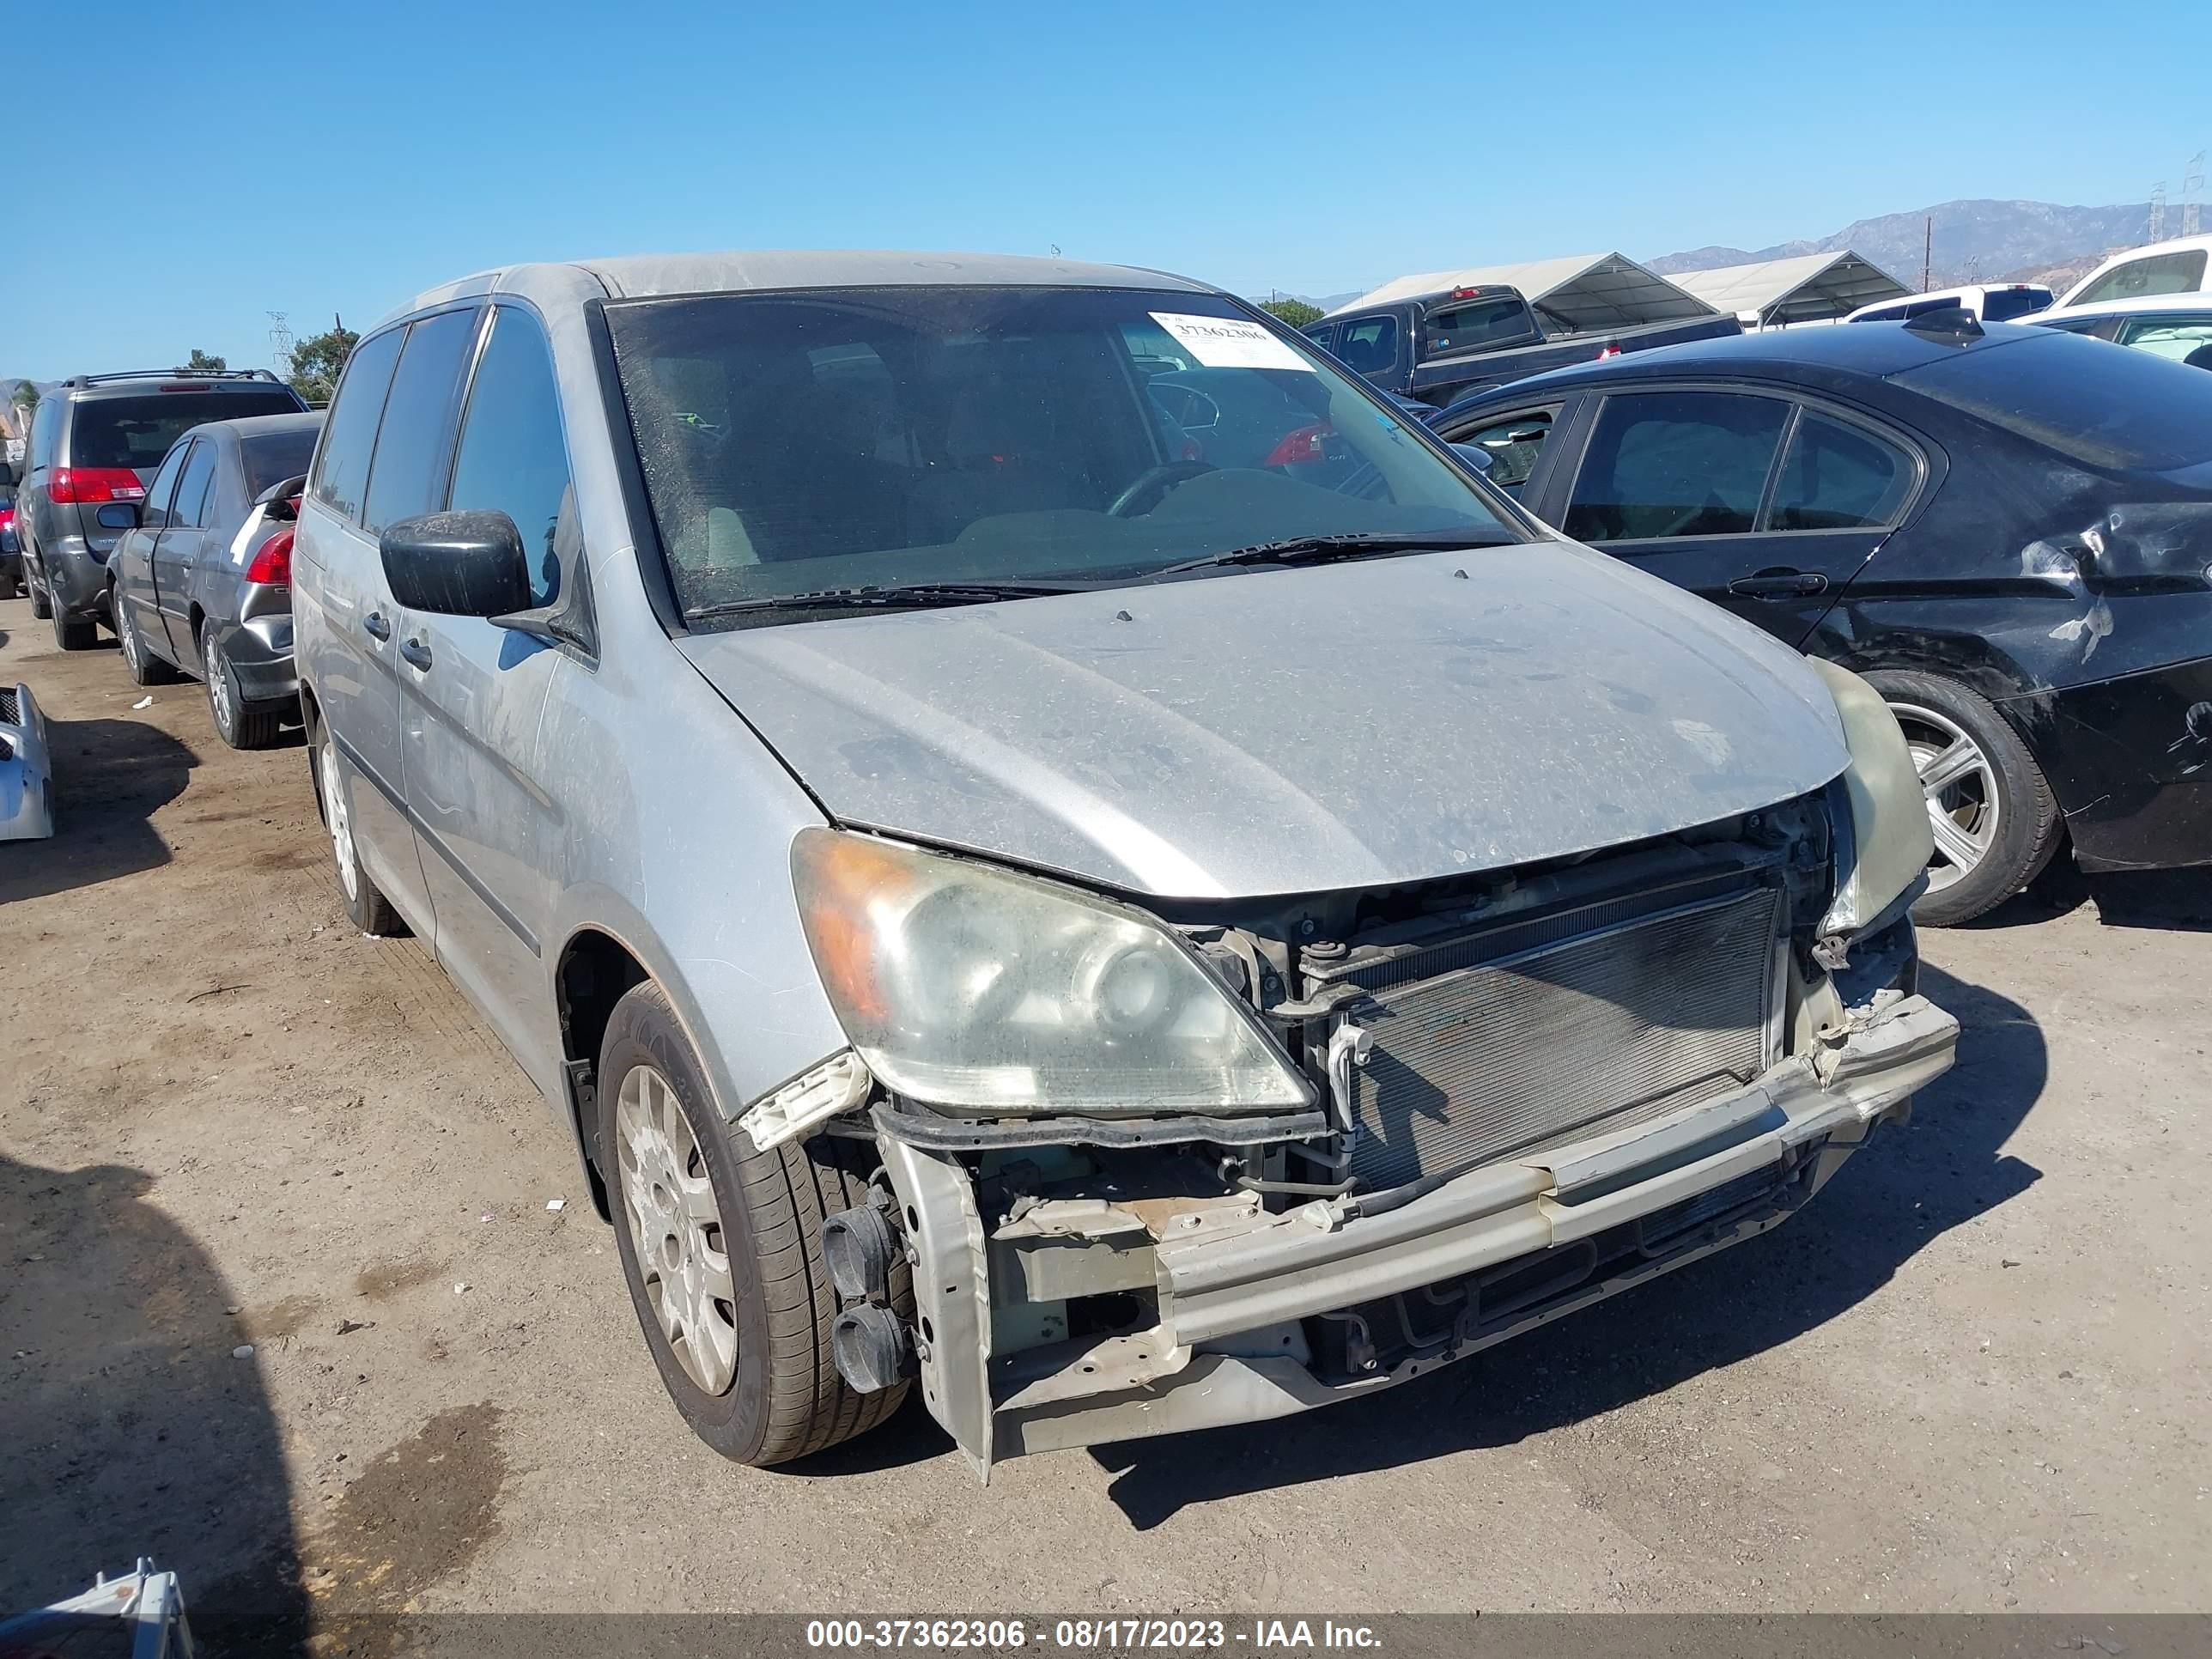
722, 1247
145, 668
1996, 821
367, 907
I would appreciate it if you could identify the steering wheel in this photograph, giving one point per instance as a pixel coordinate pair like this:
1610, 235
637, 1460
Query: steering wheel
1148, 488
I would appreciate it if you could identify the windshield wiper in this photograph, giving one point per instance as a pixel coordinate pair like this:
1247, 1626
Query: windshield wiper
903, 595
1324, 549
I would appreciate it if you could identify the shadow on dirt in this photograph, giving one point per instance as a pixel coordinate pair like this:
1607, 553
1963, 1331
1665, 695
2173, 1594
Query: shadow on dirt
2173, 901
130, 1429
109, 778
1904, 1188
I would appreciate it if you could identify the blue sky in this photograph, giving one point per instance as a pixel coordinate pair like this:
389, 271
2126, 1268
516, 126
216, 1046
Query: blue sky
332, 158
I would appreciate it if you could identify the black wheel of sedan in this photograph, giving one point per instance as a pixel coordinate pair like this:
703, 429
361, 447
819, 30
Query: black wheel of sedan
721, 1245
144, 667
237, 722
1994, 821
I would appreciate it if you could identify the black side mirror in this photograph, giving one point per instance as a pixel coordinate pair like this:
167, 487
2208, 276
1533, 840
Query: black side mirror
8, 478
1474, 455
457, 564
120, 515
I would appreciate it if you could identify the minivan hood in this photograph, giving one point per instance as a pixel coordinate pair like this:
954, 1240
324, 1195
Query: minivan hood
1293, 731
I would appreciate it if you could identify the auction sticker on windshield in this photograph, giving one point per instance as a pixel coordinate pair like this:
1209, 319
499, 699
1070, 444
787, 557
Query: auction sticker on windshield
1229, 342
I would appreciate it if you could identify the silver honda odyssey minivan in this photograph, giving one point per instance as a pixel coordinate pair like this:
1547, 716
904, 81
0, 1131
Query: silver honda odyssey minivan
1044, 840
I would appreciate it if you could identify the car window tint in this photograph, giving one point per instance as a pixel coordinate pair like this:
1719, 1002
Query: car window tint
136, 431
165, 484
1369, 346
512, 455
2177, 337
195, 488
407, 474
2003, 305
1512, 445
1839, 477
1464, 327
2161, 273
273, 457
350, 431
1675, 464
46, 431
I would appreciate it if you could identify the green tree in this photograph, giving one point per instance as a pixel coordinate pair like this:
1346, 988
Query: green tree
317, 361
1296, 313
27, 396
201, 363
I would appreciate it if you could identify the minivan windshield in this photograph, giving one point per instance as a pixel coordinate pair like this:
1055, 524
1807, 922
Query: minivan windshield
835, 439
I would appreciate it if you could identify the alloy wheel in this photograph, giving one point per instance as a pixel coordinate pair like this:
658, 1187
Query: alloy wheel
218, 683
341, 826
126, 635
1959, 785
676, 1229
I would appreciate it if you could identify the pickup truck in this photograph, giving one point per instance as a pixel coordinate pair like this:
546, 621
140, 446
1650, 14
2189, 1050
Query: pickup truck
1438, 347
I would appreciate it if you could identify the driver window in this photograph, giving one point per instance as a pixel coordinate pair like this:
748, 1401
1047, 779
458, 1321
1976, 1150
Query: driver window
164, 486
1675, 464
1512, 445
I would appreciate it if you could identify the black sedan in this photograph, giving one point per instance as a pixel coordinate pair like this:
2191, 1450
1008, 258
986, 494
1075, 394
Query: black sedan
2007, 529
201, 581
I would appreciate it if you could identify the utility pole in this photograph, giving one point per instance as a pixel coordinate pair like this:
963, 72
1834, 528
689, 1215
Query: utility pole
2192, 197
2158, 211
280, 341
1927, 251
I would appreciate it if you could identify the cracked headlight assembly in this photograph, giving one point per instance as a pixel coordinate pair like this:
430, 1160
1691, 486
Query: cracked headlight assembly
1882, 854
981, 990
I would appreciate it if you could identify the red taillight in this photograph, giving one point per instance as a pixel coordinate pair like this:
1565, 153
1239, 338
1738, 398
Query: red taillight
271, 565
1302, 447
1610, 351
185, 386
90, 485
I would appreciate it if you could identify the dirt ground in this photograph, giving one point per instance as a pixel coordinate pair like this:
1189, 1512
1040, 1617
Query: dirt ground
1972, 1377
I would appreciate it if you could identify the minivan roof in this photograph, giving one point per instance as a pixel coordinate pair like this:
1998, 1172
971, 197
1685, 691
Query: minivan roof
644, 275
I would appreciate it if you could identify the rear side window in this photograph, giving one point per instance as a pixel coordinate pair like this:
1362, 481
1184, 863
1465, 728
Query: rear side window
276, 456
1675, 464
1887, 314
136, 431
350, 431
511, 455
1839, 477
407, 476
45, 432
195, 489
1483, 323
2122, 409
2003, 305
2179, 338
2161, 273
1371, 346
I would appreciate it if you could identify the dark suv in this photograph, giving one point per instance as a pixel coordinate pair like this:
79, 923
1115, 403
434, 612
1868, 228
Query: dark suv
95, 443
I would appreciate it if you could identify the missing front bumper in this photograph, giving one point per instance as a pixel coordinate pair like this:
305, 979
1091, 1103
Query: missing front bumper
1239, 1291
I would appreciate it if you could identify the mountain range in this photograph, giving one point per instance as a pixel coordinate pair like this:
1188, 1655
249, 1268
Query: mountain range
1974, 241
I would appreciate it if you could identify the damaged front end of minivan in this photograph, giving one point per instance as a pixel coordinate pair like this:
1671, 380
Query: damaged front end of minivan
1170, 1166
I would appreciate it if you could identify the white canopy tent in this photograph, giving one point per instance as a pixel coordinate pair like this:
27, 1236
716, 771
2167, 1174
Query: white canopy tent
1810, 288
1585, 290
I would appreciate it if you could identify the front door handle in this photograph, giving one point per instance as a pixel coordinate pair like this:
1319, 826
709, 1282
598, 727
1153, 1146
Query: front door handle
376, 626
1779, 584
415, 654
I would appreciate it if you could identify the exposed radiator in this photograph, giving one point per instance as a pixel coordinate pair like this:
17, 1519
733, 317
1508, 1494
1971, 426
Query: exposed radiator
1586, 1021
